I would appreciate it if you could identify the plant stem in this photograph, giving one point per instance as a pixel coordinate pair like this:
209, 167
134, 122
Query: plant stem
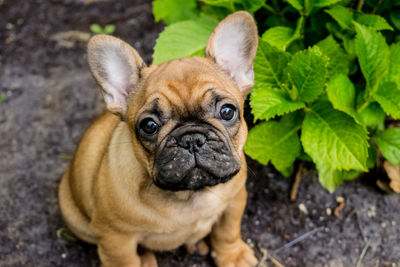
360, 5
270, 9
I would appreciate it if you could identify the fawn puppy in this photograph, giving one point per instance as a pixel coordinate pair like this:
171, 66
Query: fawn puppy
164, 166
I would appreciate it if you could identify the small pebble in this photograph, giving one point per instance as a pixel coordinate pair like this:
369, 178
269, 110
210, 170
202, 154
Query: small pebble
328, 211
303, 208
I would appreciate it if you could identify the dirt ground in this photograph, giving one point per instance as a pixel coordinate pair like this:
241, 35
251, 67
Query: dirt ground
50, 98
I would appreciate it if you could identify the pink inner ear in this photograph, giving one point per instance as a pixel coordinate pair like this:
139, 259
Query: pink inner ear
229, 45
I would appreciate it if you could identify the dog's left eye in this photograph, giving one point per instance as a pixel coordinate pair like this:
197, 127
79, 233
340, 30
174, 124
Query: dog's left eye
227, 112
149, 127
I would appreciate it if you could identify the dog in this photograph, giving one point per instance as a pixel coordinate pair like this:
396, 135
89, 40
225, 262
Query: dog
164, 166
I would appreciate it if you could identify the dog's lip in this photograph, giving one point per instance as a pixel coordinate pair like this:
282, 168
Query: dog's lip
170, 186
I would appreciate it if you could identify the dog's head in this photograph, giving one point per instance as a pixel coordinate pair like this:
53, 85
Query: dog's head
185, 115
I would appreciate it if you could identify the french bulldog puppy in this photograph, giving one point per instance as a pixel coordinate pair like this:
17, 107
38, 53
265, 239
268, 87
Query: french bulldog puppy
164, 166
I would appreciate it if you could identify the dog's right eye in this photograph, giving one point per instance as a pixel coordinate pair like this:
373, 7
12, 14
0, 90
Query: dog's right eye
148, 126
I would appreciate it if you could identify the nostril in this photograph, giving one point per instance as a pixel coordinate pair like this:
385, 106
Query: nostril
192, 140
200, 140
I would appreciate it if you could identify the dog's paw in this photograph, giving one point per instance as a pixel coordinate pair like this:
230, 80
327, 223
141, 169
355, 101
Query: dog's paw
238, 255
200, 248
148, 259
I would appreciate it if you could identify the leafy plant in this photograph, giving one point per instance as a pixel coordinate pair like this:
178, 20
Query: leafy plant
97, 29
327, 78
2, 96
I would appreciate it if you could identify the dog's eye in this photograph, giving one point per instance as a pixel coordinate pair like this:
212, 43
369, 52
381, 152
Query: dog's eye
148, 126
227, 112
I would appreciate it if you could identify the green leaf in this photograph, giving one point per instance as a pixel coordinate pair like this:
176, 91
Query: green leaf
109, 29
266, 103
324, 3
171, 11
183, 39
388, 142
372, 115
275, 141
307, 71
342, 15
2, 96
329, 178
278, 37
338, 60
388, 96
297, 4
341, 93
96, 28
270, 65
374, 21
229, 4
251, 5
286, 172
333, 139
394, 65
372, 53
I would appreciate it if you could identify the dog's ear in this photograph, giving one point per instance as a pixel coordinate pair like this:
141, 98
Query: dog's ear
233, 46
115, 65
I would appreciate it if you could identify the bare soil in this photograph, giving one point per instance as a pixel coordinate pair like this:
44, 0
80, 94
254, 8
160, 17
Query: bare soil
50, 99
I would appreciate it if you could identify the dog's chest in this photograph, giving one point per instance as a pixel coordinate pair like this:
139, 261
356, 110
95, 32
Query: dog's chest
187, 224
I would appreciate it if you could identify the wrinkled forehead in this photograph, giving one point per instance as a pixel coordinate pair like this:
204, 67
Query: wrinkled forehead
189, 83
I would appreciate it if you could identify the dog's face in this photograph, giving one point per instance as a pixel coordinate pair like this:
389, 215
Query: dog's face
186, 115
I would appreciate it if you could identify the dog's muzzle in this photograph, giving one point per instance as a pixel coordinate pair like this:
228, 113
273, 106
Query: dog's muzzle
194, 157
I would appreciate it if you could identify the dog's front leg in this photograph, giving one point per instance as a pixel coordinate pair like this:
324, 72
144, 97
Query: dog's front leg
228, 247
116, 249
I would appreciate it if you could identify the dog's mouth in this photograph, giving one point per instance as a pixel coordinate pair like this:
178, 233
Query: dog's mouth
193, 158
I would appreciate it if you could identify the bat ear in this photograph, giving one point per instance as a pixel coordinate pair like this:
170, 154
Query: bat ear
115, 65
233, 46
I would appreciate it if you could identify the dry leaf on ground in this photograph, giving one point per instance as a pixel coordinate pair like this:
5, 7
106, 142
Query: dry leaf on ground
393, 173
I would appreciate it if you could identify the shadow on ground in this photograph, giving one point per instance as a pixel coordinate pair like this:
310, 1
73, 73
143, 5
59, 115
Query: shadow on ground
51, 99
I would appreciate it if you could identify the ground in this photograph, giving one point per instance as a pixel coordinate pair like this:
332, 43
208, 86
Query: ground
50, 98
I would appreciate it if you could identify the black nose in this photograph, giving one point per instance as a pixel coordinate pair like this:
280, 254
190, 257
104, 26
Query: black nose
192, 141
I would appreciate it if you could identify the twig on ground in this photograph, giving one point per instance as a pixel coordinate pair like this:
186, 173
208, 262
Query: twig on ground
295, 187
299, 239
266, 256
363, 252
337, 210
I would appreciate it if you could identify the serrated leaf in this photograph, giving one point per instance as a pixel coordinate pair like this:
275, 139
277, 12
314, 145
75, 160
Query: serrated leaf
374, 21
266, 103
333, 139
388, 96
394, 65
372, 53
275, 141
342, 15
286, 172
388, 142
252, 5
341, 93
270, 65
171, 11
338, 60
278, 37
324, 3
329, 178
183, 39
297, 4
372, 115
307, 72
